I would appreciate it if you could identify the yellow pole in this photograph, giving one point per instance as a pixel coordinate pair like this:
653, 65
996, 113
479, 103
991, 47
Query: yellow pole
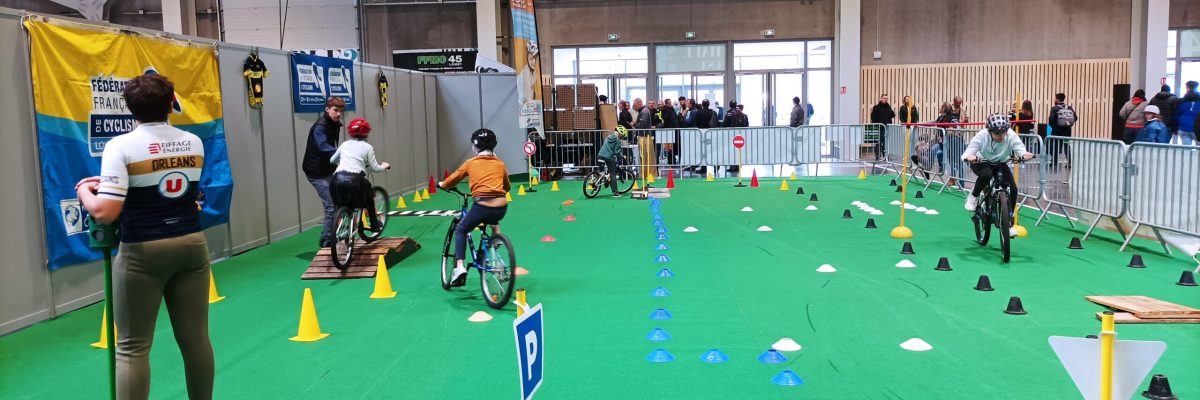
903, 232
740, 167
1108, 337
1021, 231
521, 302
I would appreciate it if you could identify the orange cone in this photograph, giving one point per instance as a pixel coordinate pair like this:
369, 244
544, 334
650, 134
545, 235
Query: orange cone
754, 179
670, 180
432, 185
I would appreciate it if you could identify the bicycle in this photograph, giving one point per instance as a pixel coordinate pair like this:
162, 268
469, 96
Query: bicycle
993, 208
494, 259
598, 179
350, 222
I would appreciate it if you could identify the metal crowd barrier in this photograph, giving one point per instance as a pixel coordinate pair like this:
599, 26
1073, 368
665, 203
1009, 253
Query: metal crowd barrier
1094, 181
927, 154
1163, 185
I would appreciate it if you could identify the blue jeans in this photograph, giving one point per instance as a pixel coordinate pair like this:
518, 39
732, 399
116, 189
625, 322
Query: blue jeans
476, 215
1186, 138
321, 184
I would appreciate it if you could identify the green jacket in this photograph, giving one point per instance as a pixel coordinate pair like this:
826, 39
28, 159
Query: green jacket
611, 149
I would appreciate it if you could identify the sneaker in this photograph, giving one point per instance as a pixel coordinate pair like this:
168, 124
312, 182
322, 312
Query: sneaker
1012, 232
458, 277
972, 201
616, 195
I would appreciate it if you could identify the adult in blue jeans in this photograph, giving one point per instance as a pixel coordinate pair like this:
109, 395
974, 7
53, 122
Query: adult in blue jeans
322, 143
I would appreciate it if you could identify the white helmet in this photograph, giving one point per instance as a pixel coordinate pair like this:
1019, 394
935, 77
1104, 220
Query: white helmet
997, 123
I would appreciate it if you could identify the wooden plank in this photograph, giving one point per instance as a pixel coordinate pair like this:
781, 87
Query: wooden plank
364, 261
1127, 318
1145, 307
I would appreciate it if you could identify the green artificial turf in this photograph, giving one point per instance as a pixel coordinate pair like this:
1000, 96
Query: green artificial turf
736, 289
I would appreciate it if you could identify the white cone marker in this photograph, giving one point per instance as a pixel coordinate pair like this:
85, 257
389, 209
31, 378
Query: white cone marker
764, 228
826, 268
905, 264
786, 344
916, 344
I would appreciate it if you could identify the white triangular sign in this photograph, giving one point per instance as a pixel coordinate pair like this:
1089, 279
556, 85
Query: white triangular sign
1132, 361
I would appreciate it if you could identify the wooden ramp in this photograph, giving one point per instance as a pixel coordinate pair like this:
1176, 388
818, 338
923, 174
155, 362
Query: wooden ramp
365, 260
1144, 310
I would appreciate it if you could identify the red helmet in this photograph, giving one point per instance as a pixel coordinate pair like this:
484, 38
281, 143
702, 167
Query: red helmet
359, 128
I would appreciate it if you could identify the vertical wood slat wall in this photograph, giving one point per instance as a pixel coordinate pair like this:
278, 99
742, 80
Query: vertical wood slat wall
992, 87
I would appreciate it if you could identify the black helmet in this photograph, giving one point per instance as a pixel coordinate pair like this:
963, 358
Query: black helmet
484, 139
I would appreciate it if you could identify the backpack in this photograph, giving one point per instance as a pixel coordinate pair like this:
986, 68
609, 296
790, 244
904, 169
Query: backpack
1065, 116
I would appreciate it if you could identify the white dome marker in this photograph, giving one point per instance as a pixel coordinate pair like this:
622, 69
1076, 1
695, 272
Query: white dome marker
916, 344
826, 268
480, 316
764, 228
786, 344
747, 209
905, 264
811, 208
691, 229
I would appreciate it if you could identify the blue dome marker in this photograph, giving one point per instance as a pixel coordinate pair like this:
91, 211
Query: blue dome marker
772, 356
714, 356
660, 356
662, 258
660, 314
658, 223
665, 273
662, 236
661, 229
662, 246
787, 378
658, 335
660, 292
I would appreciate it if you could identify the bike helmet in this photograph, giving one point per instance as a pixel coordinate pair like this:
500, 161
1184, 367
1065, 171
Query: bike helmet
484, 139
359, 128
622, 132
997, 123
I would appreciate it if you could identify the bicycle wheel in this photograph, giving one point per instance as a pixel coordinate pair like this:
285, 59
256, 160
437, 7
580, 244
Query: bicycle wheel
983, 225
448, 255
499, 275
343, 236
625, 180
370, 233
591, 184
1003, 222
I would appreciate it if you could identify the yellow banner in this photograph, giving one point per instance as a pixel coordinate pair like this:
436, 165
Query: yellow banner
78, 72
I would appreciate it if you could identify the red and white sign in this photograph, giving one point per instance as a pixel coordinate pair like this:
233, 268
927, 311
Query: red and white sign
843, 90
530, 148
739, 141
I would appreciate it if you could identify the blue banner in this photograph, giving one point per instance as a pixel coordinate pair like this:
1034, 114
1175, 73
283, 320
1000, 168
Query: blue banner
78, 77
317, 78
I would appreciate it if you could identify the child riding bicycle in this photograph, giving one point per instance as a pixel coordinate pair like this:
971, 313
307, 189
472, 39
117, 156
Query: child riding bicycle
489, 185
610, 154
992, 147
353, 158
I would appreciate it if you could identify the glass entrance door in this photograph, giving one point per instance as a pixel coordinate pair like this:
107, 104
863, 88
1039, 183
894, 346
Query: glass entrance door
752, 95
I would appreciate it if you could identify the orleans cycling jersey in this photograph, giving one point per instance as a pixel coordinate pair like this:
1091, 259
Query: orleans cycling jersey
155, 170
255, 72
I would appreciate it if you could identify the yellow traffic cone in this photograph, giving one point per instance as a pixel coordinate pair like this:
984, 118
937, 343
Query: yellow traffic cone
213, 297
425, 195
710, 177
310, 329
554, 187
400, 203
862, 174
508, 196
103, 343
521, 190
793, 177
635, 186
534, 181
416, 197
783, 186
650, 178
383, 284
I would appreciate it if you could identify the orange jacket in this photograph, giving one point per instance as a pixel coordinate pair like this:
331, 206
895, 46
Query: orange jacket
489, 177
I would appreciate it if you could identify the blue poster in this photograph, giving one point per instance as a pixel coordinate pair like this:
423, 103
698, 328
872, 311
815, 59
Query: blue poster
317, 78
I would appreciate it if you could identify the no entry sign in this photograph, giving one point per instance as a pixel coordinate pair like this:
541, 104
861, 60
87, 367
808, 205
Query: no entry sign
739, 141
530, 148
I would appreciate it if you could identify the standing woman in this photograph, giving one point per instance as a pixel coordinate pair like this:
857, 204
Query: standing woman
1133, 114
150, 179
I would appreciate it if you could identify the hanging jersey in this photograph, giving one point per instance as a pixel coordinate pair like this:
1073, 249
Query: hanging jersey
255, 72
383, 86
155, 170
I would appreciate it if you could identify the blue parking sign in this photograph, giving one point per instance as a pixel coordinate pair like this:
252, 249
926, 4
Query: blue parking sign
528, 330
